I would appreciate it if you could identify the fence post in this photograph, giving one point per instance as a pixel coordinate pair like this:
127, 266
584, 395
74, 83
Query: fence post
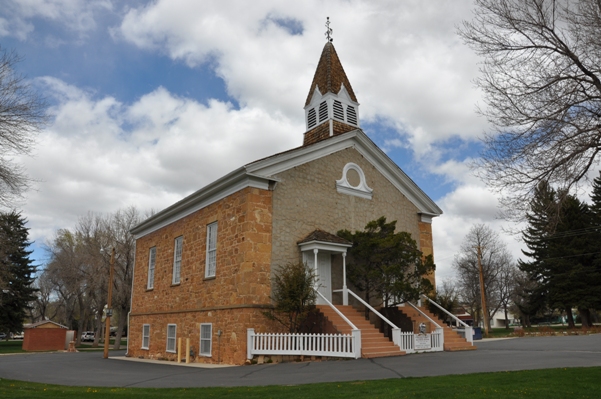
396, 336
250, 333
357, 343
179, 349
187, 350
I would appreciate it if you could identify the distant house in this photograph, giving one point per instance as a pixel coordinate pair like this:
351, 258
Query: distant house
44, 336
204, 265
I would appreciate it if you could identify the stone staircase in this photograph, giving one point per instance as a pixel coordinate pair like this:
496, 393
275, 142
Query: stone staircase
373, 342
452, 340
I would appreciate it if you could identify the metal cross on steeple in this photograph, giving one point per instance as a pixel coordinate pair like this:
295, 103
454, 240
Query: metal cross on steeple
329, 31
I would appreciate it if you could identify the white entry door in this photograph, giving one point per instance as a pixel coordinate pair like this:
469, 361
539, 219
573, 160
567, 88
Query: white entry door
324, 273
324, 277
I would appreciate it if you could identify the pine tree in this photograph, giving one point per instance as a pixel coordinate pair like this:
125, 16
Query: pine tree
573, 281
17, 272
542, 220
387, 265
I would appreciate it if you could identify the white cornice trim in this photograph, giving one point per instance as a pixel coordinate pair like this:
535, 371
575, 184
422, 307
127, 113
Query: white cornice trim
219, 189
324, 246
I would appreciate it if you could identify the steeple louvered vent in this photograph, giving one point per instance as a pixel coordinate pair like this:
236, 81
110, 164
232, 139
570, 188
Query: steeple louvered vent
323, 111
312, 118
338, 111
351, 115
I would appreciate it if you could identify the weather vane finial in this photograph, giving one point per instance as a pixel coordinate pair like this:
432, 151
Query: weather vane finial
329, 31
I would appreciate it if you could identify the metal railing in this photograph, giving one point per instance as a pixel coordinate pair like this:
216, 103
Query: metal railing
396, 332
468, 331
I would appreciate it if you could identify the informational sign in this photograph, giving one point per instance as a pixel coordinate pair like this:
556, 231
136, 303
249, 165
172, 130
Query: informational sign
422, 342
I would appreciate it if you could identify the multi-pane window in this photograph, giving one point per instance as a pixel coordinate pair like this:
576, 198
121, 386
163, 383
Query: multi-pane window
145, 336
177, 259
206, 333
151, 263
211, 250
171, 333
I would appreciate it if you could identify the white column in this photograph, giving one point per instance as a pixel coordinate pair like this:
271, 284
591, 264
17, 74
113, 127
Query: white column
315, 268
344, 288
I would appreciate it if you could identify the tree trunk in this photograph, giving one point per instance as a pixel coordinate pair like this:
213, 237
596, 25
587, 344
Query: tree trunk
571, 323
120, 325
585, 316
506, 319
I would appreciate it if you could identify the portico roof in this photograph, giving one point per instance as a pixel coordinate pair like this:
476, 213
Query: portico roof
324, 241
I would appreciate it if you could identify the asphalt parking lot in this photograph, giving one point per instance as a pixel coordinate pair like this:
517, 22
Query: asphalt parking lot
90, 369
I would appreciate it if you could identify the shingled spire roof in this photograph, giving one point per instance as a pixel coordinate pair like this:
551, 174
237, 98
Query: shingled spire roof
329, 75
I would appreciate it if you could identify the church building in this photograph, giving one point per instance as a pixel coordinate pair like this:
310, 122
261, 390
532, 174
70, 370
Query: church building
204, 265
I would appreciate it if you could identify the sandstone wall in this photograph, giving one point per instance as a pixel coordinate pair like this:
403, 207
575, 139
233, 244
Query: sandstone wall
242, 283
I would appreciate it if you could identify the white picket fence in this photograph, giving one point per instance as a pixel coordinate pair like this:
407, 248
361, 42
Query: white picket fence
331, 345
434, 342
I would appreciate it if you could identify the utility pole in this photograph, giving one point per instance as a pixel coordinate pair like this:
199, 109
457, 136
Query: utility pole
109, 310
482, 294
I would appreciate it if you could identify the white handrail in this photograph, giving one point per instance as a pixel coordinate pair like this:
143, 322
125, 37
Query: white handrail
446, 311
373, 310
423, 314
337, 311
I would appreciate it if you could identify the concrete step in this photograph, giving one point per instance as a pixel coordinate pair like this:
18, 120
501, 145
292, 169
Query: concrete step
373, 343
452, 340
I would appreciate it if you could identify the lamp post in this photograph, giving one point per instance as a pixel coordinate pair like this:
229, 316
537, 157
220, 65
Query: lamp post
109, 310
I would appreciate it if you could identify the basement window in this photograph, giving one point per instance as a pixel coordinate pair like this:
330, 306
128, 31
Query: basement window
171, 334
145, 336
206, 338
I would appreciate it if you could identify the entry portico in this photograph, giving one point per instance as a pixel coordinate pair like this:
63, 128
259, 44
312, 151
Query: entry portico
317, 250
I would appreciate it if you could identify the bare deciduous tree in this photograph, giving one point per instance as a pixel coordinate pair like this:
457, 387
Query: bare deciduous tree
22, 114
497, 266
541, 76
79, 269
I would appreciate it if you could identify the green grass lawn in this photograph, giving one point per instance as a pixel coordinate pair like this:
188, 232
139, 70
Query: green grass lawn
544, 384
541, 331
11, 347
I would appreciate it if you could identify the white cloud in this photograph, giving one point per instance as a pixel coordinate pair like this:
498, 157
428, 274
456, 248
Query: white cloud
100, 155
76, 15
404, 60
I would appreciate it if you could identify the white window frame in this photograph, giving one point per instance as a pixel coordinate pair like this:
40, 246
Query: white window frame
177, 260
205, 339
152, 260
172, 338
146, 336
211, 253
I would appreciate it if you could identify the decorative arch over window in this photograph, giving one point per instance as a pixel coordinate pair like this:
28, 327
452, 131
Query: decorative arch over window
345, 187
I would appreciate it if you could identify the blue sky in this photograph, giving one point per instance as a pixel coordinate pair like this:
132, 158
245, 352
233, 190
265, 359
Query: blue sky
152, 100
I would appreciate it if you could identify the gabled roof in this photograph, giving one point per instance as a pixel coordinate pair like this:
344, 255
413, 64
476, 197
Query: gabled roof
358, 140
330, 75
262, 173
324, 236
40, 323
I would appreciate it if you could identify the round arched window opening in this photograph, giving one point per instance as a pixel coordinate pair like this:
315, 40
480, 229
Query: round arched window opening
353, 182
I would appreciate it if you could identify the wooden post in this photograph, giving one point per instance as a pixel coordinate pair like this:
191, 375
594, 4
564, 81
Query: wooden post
179, 349
109, 310
482, 293
187, 350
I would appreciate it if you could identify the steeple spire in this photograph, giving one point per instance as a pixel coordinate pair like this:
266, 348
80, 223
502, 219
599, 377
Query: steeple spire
331, 107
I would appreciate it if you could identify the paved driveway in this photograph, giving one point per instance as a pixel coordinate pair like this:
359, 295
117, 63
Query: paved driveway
90, 369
